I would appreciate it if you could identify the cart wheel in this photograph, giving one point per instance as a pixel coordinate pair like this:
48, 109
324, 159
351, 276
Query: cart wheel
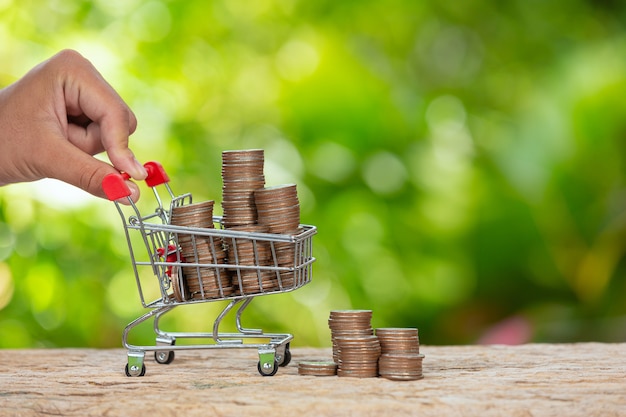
135, 372
268, 372
164, 357
286, 357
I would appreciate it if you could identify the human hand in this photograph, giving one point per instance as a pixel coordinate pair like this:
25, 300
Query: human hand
55, 118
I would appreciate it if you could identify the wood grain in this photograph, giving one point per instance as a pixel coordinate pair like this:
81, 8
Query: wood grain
586, 379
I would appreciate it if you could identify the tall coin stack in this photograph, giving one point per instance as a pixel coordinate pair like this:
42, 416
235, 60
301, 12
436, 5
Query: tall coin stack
242, 173
201, 281
400, 357
355, 348
278, 209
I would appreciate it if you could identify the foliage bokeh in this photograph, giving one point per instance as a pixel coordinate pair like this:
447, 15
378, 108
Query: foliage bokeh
463, 161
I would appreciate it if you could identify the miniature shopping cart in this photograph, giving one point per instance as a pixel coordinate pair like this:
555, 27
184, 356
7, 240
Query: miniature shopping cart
164, 275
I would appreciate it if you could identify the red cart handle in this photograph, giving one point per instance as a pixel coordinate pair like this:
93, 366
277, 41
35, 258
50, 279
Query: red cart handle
115, 187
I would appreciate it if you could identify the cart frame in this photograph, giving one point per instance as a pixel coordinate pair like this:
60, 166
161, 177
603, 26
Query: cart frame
153, 245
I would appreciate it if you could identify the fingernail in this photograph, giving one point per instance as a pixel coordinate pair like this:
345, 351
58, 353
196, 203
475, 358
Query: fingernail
134, 193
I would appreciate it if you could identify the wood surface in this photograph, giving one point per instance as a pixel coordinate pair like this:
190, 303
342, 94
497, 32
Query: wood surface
587, 379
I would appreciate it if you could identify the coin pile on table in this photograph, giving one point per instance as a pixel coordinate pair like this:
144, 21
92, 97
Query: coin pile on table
392, 353
317, 368
200, 281
242, 174
400, 357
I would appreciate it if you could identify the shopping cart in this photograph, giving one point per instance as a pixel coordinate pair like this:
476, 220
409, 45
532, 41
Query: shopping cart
162, 271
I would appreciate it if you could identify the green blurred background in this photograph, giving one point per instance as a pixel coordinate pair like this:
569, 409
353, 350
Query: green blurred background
462, 160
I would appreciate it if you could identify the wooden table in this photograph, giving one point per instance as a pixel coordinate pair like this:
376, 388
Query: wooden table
587, 379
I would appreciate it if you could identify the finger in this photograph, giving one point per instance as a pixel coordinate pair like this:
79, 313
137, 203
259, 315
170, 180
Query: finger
114, 140
87, 139
87, 92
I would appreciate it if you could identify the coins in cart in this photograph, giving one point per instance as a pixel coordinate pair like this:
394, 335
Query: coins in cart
245, 253
242, 174
278, 208
204, 283
248, 250
193, 215
203, 279
317, 368
179, 288
254, 281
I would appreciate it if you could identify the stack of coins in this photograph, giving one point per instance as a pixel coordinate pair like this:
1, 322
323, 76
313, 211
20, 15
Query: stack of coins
349, 323
278, 209
317, 368
358, 356
250, 252
400, 357
201, 281
402, 340
242, 173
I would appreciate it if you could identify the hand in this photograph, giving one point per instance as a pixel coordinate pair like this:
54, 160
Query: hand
54, 119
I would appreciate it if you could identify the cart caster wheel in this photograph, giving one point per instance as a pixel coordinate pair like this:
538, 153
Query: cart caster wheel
164, 357
285, 358
135, 372
268, 370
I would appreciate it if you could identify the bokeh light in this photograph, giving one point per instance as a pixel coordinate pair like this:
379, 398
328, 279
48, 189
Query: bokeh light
464, 162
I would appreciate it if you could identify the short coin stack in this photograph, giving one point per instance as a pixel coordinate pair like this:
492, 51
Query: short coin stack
242, 173
278, 208
201, 281
317, 368
400, 357
355, 348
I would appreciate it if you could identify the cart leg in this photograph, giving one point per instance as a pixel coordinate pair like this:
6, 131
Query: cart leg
135, 365
164, 356
283, 355
267, 366
240, 310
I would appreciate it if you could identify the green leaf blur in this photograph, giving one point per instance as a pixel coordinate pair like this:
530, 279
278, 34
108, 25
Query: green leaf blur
464, 162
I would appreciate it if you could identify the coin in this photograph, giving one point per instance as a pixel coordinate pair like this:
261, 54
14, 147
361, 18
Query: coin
317, 368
